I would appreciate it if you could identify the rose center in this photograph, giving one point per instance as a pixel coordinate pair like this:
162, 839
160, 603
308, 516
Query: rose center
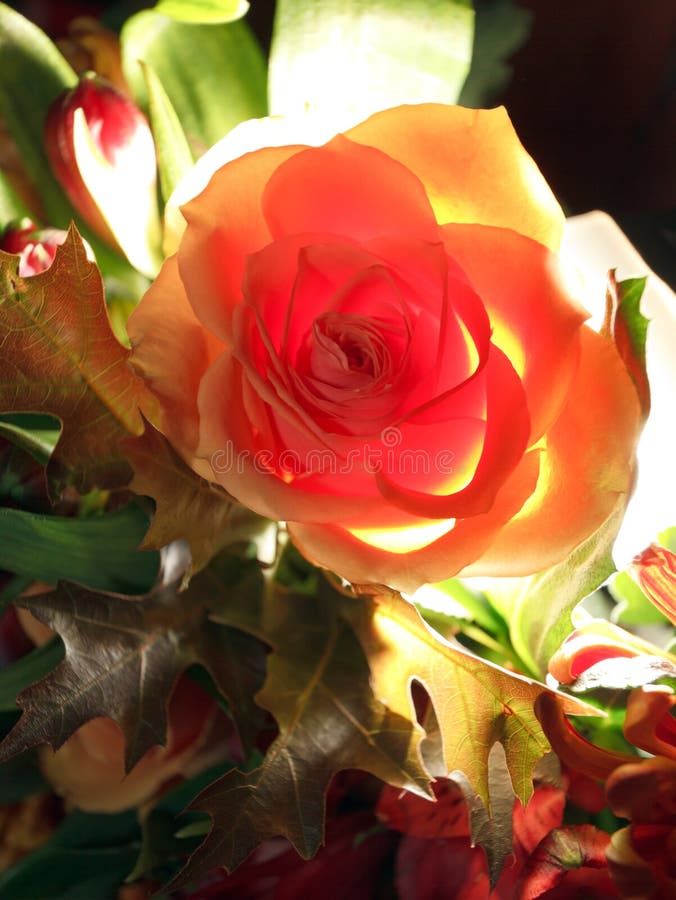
348, 348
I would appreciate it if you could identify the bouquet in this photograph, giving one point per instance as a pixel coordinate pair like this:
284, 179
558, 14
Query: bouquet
326, 561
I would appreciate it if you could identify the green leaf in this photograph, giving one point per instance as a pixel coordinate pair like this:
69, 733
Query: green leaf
633, 607
100, 551
21, 778
87, 857
213, 75
168, 833
203, 10
123, 657
11, 205
501, 28
475, 604
60, 357
629, 329
29, 668
36, 434
345, 59
33, 73
16, 584
174, 157
668, 539
318, 690
538, 607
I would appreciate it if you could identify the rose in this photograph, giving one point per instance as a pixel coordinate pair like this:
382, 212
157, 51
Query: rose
374, 341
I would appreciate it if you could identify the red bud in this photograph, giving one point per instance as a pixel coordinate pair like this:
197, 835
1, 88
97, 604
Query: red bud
101, 149
36, 247
656, 572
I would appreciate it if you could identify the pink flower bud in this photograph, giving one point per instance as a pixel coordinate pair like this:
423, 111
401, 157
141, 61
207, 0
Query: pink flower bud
36, 247
101, 149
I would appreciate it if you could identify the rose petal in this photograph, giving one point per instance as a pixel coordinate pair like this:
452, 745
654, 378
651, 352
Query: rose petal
225, 224
406, 570
507, 429
535, 319
347, 189
587, 466
163, 327
230, 456
472, 164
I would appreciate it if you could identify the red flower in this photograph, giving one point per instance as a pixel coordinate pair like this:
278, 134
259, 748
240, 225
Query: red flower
435, 858
36, 246
642, 857
100, 147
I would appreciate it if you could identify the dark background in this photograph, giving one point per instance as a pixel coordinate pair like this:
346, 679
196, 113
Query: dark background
592, 96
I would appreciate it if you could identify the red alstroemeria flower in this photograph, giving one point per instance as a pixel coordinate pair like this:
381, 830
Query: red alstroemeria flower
436, 855
642, 857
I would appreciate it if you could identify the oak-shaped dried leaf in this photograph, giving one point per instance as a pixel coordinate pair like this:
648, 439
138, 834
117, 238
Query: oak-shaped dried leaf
186, 506
476, 702
318, 690
122, 658
59, 356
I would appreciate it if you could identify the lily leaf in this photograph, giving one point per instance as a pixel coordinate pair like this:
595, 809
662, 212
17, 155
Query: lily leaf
501, 28
11, 205
32, 75
538, 608
629, 329
87, 856
203, 10
35, 434
100, 551
174, 157
213, 75
325, 52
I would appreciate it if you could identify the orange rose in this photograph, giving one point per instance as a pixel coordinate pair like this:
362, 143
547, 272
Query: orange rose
374, 341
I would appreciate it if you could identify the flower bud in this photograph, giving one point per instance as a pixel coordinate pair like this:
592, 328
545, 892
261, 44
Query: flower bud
36, 247
655, 570
100, 148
